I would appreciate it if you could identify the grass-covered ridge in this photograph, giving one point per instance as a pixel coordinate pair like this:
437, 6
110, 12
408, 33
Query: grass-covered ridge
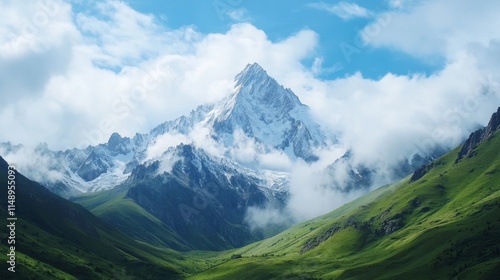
123, 213
444, 225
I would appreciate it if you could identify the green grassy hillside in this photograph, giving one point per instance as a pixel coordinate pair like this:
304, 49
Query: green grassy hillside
123, 213
58, 239
446, 225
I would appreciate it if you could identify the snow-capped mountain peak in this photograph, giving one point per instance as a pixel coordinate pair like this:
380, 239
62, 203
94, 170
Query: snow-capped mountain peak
256, 87
267, 112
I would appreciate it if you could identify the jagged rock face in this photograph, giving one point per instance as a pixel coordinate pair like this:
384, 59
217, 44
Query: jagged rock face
94, 161
183, 124
493, 125
95, 165
391, 225
118, 145
315, 242
419, 173
73, 172
348, 175
479, 136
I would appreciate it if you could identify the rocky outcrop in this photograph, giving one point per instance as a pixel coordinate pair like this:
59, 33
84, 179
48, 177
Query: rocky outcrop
349, 223
118, 145
391, 225
493, 125
479, 136
316, 241
419, 173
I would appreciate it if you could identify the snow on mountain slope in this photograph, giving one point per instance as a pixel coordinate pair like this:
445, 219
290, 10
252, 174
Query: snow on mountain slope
267, 112
220, 166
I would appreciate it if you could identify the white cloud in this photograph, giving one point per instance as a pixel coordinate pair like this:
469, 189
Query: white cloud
387, 120
311, 194
396, 3
239, 15
268, 216
165, 141
344, 10
33, 47
440, 27
167, 162
118, 34
201, 138
275, 160
317, 67
33, 161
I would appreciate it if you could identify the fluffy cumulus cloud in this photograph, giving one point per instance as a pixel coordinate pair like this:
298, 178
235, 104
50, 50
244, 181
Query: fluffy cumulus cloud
441, 27
34, 47
71, 78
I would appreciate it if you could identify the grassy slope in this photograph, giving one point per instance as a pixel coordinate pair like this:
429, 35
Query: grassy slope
57, 239
123, 213
451, 231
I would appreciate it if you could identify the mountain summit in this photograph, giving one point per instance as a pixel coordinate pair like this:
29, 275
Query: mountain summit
267, 112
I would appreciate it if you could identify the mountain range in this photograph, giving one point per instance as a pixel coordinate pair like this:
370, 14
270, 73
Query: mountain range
192, 180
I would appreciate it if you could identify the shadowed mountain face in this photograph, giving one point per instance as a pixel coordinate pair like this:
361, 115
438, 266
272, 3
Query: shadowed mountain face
201, 199
56, 238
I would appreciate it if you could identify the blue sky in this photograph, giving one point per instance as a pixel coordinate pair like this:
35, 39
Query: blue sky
281, 18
